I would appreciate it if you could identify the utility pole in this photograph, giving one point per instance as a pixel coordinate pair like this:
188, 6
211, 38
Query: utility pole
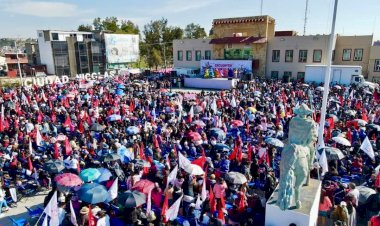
261, 8
18, 62
305, 20
326, 89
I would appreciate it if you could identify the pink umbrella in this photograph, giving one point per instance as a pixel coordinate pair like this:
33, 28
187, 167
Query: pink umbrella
144, 186
194, 136
68, 180
237, 123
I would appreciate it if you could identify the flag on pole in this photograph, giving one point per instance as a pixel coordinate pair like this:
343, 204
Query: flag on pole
30, 147
164, 208
183, 161
172, 213
91, 218
367, 148
204, 191
73, 218
233, 102
112, 192
30, 164
212, 201
51, 210
191, 114
323, 162
67, 147
38, 137
149, 202
172, 176
45, 222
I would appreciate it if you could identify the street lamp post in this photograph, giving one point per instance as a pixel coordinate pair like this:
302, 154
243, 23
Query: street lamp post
327, 80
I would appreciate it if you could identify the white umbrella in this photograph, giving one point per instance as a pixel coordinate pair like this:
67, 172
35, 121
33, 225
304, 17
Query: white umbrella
236, 178
320, 88
194, 170
342, 141
337, 87
361, 122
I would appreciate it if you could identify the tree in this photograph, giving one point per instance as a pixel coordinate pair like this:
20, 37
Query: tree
129, 27
110, 24
85, 27
155, 58
98, 26
195, 31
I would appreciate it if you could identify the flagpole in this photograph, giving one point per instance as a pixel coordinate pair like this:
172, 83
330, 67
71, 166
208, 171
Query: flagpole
327, 79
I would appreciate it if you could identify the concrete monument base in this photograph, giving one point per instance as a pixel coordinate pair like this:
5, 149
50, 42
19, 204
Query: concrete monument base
307, 215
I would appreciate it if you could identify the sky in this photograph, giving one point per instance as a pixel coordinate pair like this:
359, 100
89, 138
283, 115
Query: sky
22, 18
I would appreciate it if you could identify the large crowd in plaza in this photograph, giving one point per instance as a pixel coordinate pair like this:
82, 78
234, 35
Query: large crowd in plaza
127, 151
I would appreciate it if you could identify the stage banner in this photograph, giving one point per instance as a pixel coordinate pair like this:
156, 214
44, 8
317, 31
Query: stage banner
227, 64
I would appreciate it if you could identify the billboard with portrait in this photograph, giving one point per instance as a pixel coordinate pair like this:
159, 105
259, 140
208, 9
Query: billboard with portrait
121, 48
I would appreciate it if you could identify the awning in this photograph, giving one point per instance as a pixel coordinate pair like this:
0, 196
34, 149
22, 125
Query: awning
238, 40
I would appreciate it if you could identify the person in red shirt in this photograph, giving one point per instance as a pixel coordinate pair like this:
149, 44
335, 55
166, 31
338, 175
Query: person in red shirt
375, 220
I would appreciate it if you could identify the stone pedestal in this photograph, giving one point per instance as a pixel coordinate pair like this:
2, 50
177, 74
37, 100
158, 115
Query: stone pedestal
307, 215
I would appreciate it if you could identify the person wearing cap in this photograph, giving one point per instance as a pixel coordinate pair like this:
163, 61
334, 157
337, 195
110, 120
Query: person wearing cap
84, 216
103, 219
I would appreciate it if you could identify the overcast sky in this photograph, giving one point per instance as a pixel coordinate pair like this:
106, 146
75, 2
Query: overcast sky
21, 18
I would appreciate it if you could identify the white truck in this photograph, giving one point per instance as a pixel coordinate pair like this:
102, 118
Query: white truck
340, 74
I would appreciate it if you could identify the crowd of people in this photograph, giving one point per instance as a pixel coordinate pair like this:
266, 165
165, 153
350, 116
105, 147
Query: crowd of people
126, 151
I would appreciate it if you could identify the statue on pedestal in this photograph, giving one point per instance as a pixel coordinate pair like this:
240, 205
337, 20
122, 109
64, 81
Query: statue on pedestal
297, 158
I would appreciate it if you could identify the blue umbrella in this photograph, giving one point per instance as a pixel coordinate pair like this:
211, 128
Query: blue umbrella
93, 193
222, 147
275, 142
132, 130
89, 174
120, 86
119, 92
217, 133
114, 117
105, 175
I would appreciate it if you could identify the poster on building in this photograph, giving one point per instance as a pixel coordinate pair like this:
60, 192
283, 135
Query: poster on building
121, 48
227, 64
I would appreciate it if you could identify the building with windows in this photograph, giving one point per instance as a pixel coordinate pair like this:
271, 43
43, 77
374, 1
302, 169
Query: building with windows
374, 64
288, 55
12, 63
189, 52
31, 50
353, 50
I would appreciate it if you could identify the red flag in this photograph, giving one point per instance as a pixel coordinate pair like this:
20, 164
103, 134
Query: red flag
358, 105
56, 151
341, 100
349, 135
377, 181
200, 161
50, 104
234, 153
6, 124
241, 207
67, 122
240, 154
165, 207
222, 203
364, 117
131, 106
376, 96
40, 117
212, 201
68, 147
221, 216
30, 164
155, 142
267, 158
142, 151
91, 218
78, 167
53, 117
81, 127
249, 152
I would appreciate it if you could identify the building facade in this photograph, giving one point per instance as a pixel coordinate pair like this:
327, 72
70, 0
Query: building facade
353, 50
12, 63
287, 56
187, 53
31, 50
374, 64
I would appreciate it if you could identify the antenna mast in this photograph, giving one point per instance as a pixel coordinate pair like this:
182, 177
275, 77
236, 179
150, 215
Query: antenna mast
261, 8
305, 20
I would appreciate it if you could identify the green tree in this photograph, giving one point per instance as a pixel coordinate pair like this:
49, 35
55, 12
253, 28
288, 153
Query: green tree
155, 58
195, 31
110, 24
98, 25
85, 27
129, 27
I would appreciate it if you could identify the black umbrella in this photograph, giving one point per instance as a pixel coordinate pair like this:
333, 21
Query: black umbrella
54, 166
374, 126
109, 157
132, 199
97, 127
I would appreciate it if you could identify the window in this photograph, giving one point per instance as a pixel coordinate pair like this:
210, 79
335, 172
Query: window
377, 66
317, 56
274, 74
302, 58
229, 45
54, 36
188, 55
208, 55
300, 76
346, 55
288, 74
180, 55
198, 55
333, 56
358, 54
276, 56
288, 56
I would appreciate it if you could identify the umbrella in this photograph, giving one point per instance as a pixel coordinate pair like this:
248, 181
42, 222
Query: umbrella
374, 126
120, 86
163, 90
193, 169
332, 153
320, 88
54, 166
61, 137
364, 193
93, 193
97, 127
361, 122
334, 117
89, 174
217, 133
305, 85
342, 141
199, 123
236, 178
132, 199
237, 123
105, 175
194, 136
198, 109
337, 87
368, 92
351, 112
110, 157
114, 117
132, 130
67, 181
275, 142
222, 147
142, 163
257, 93
144, 186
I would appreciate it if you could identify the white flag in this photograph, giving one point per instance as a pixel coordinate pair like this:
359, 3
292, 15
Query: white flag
191, 112
183, 161
149, 202
112, 192
13, 194
204, 192
172, 176
154, 114
198, 203
73, 218
43, 96
233, 102
351, 94
52, 210
38, 137
213, 106
24, 99
30, 147
367, 148
45, 223
323, 162
172, 213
